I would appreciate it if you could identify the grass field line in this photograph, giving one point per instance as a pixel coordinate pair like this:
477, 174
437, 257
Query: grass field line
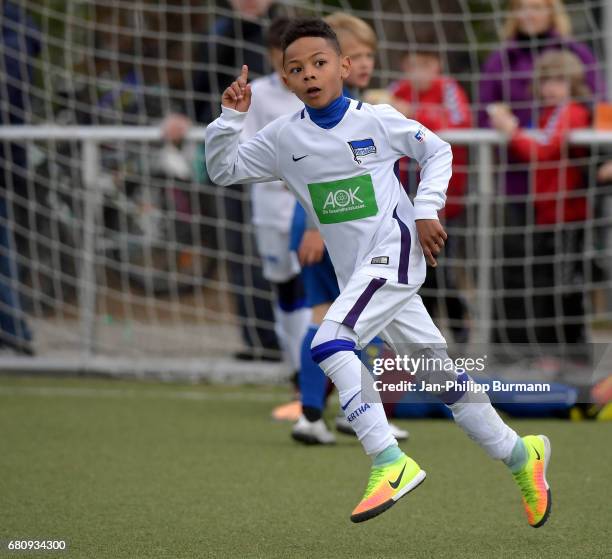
55, 391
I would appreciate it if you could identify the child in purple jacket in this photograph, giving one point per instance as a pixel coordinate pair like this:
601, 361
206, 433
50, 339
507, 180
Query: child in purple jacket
533, 26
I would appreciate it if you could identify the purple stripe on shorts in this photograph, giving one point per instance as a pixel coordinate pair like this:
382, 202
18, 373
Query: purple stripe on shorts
402, 270
353, 315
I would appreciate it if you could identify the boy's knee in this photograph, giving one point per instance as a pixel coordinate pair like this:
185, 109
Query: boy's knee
331, 338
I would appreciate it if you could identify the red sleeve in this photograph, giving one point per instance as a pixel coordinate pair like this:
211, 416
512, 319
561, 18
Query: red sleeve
458, 115
452, 112
457, 105
457, 184
451, 109
401, 90
432, 117
551, 147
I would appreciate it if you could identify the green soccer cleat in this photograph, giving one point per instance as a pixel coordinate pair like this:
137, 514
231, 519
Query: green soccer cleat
388, 484
532, 480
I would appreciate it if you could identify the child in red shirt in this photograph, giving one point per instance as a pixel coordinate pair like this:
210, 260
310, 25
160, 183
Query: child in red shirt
558, 197
558, 81
439, 103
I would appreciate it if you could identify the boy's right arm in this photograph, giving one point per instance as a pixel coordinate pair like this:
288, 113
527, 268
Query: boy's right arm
228, 161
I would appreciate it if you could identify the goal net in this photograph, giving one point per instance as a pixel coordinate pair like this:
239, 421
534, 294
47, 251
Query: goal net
118, 254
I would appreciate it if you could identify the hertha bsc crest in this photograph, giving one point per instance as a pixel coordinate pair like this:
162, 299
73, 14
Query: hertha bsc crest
361, 148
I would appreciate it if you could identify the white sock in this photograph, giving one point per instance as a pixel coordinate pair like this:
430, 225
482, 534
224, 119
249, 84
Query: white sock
368, 419
291, 329
474, 413
482, 424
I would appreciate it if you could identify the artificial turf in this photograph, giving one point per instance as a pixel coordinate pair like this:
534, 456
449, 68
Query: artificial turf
139, 469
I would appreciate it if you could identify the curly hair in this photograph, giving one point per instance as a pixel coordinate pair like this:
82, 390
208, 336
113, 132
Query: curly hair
310, 27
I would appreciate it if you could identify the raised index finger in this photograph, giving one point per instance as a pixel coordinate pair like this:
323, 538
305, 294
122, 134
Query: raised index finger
244, 74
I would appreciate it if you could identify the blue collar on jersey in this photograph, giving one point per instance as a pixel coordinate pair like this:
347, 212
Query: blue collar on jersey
332, 114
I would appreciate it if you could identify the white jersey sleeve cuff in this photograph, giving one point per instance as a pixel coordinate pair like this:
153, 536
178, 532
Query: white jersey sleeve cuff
425, 210
232, 114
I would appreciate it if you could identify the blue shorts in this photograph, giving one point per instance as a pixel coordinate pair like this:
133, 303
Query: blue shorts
320, 282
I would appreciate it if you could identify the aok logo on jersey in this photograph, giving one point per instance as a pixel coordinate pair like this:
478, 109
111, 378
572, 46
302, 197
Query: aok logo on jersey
343, 200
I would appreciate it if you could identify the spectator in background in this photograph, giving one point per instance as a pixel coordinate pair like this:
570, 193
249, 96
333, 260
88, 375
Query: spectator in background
440, 103
272, 208
559, 199
235, 40
232, 41
20, 44
532, 28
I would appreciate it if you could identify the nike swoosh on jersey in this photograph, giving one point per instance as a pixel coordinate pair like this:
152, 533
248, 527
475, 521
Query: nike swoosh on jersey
298, 158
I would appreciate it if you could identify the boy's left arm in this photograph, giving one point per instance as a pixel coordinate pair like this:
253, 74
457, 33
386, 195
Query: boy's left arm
408, 137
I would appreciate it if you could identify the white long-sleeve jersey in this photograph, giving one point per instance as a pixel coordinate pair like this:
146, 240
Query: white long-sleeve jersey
345, 178
273, 205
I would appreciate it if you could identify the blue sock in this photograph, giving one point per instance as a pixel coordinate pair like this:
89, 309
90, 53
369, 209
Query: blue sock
387, 456
518, 457
313, 381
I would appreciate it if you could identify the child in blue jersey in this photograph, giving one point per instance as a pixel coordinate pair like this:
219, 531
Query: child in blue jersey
338, 157
358, 42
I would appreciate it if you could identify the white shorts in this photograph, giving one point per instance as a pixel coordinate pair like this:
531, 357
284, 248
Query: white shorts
381, 307
279, 263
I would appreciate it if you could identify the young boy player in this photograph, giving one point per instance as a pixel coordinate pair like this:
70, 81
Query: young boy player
357, 41
338, 157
